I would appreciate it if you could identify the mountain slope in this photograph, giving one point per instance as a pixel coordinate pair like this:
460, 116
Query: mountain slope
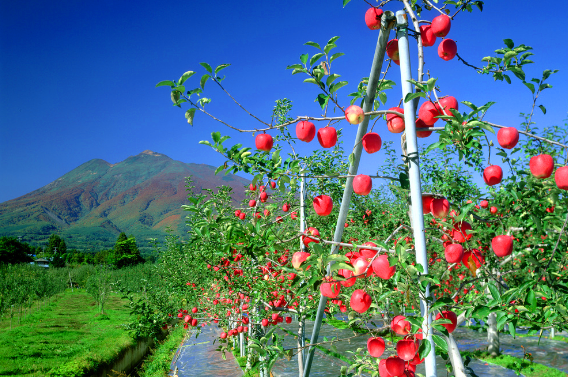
92, 204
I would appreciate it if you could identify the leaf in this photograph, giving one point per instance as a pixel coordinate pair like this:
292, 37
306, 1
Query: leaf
518, 72
313, 44
204, 78
205, 142
425, 348
335, 56
207, 67
165, 83
383, 97
440, 342
294, 66
510, 54
542, 108
487, 127
345, 2
530, 86
341, 265
189, 114
334, 87
531, 300
185, 76
328, 48
322, 100
494, 292
220, 67
332, 78
507, 78
411, 96
216, 136
481, 312
299, 70
315, 58
430, 84
332, 40
311, 80
304, 58
220, 168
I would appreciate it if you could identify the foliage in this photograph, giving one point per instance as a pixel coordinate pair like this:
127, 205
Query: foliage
13, 251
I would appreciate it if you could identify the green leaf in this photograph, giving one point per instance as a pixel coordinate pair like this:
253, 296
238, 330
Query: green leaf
531, 300
294, 66
313, 44
322, 100
425, 348
328, 48
204, 78
216, 136
335, 56
518, 72
431, 83
304, 58
332, 40
185, 76
383, 97
220, 168
205, 142
530, 86
315, 58
440, 342
345, 2
509, 43
207, 67
494, 292
189, 114
220, 67
542, 108
411, 96
510, 54
507, 78
487, 127
481, 312
334, 87
165, 83
299, 70
331, 78
311, 80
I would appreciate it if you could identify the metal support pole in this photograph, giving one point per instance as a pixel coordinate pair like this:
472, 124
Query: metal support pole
414, 178
354, 166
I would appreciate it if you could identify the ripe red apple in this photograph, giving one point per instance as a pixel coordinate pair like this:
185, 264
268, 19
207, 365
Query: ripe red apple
382, 268
492, 175
264, 142
508, 137
428, 113
459, 231
447, 49
330, 288
354, 114
400, 325
493, 210
360, 265
285, 207
242, 216
373, 18
441, 25
305, 131
323, 205
383, 369
298, 258
421, 124
362, 184
474, 256
288, 319
484, 204
263, 196
252, 203
453, 253
392, 49
376, 346
502, 245
395, 123
395, 366
360, 301
440, 207
223, 335
266, 213
311, 231
561, 178
237, 212
194, 310
446, 103
272, 185
294, 215
447, 314
194, 322
327, 137
541, 166
371, 142
426, 204
347, 274
252, 187
417, 360
406, 349
264, 322
427, 35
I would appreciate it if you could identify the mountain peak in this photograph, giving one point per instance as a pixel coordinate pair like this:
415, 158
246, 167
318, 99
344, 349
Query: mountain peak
150, 153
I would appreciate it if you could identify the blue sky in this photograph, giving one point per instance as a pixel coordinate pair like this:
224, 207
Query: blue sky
77, 78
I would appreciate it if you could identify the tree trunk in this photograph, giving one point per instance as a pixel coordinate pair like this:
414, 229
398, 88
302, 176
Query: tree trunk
455, 357
492, 335
301, 338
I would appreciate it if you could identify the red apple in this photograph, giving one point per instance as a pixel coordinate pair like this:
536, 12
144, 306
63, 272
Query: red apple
441, 25
266, 213
264, 142
242, 216
440, 207
360, 301
400, 325
474, 256
447, 49
330, 288
305, 131
288, 319
446, 103
493, 210
484, 204
371, 142
421, 124
294, 215
382, 268
285, 207
252, 187
298, 258
492, 175
223, 335
541, 166
373, 18
362, 184
428, 113
406, 349
395, 366
327, 137
376, 346
392, 49
311, 231
252, 203
264, 322
453, 253
447, 314
427, 35
508, 137
323, 205
347, 274
383, 369
354, 114
561, 178
263, 196
502, 245
426, 204
360, 264
459, 232
194, 310
237, 212
273, 184
395, 123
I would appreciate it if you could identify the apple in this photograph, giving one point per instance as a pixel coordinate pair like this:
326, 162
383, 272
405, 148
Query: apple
508, 137
373, 18
459, 231
493, 210
252, 203
371, 142
475, 256
360, 265
223, 335
446, 103
561, 178
447, 314
354, 114
395, 123
194, 322
417, 360
348, 275
541, 166
421, 124
264, 322
382, 268
406, 349
288, 319
427, 35
400, 325
252, 187
327, 137
323, 205
298, 258
376, 346
392, 49
272, 185
266, 213
395, 366
484, 204
440, 207
447, 49
264, 142
492, 175
285, 207
311, 232
194, 310
383, 369
305, 131
360, 301
237, 212
263, 196
426, 203
428, 113
362, 184
502, 245
441, 25
330, 288
453, 253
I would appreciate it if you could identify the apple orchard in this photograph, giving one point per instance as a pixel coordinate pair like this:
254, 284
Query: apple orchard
404, 262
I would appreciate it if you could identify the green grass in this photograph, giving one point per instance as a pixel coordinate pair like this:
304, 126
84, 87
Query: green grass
68, 337
525, 367
158, 364
558, 338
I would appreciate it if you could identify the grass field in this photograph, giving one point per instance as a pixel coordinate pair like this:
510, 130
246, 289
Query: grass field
65, 338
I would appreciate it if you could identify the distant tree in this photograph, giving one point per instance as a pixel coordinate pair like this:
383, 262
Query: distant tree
125, 252
56, 250
102, 257
13, 251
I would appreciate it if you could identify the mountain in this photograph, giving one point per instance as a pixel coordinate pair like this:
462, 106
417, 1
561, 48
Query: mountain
92, 204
